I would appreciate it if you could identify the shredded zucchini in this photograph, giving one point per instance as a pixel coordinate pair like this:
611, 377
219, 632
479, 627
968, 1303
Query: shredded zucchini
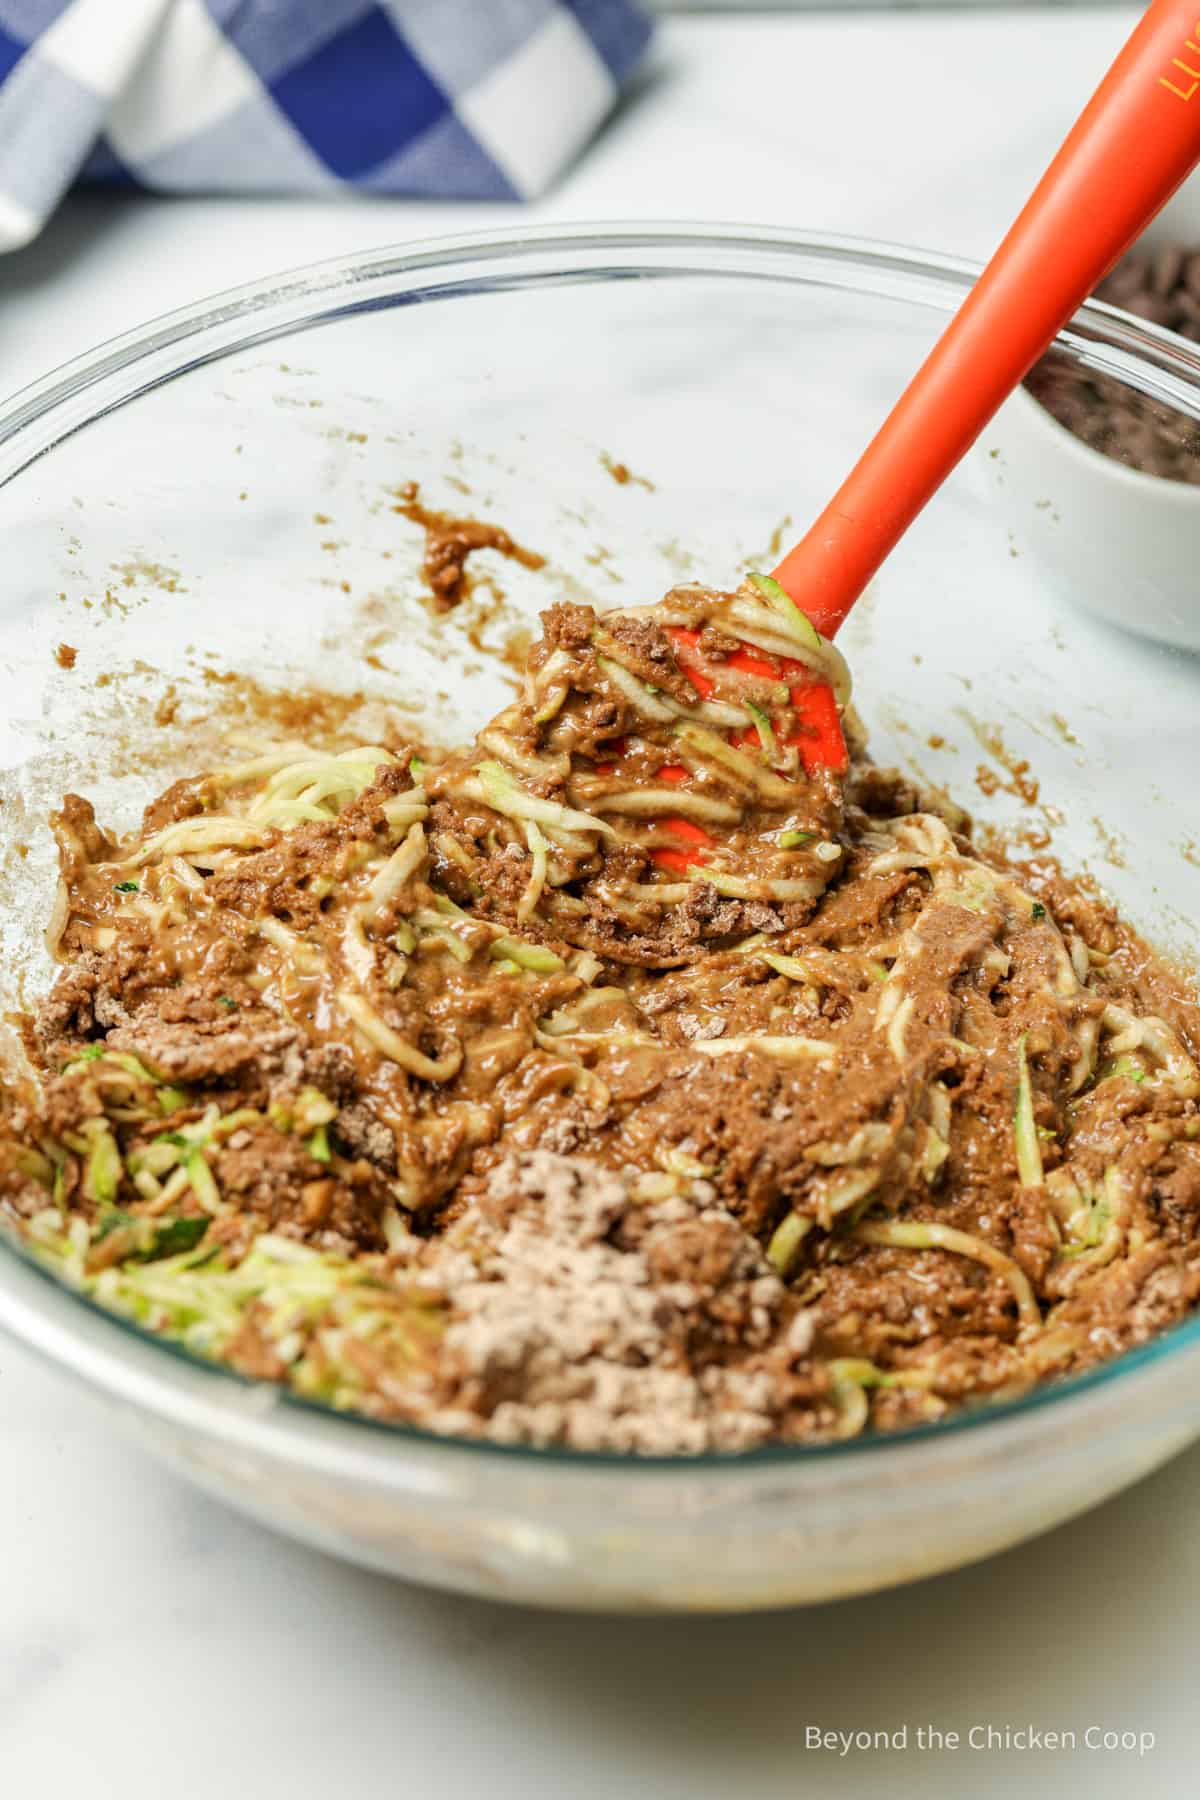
1126, 1067
539, 867
103, 1168
916, 1234
312, 1110
143, 1239
504, 794
780, 601
202, 1180
535, 957
698, 741
766, 733
1029, 1150
786, 1241
791, 966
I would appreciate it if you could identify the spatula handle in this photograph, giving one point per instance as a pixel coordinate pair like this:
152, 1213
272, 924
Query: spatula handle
1136, 140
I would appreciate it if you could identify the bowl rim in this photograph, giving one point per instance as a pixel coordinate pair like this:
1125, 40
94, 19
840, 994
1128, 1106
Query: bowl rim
1100, 335
149, 1373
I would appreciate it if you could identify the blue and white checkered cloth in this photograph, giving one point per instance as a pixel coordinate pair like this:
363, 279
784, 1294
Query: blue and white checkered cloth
453, 99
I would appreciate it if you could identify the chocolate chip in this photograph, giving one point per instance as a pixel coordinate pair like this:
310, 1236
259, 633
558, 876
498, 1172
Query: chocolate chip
1168, 266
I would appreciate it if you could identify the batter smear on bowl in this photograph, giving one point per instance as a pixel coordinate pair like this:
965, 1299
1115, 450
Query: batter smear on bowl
449, 541
656, 1074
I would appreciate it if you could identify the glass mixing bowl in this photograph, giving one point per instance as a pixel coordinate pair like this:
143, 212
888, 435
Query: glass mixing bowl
203, 510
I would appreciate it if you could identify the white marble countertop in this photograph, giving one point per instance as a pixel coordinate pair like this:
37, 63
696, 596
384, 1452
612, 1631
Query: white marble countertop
152, 1643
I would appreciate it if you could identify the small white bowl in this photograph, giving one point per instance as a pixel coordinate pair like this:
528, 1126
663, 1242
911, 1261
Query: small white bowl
1131, 550
1122, 544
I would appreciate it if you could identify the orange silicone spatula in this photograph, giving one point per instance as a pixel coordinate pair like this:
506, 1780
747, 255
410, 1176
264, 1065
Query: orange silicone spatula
1136, 140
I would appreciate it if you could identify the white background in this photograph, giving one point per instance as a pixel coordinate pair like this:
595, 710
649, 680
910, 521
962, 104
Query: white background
152, 1644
